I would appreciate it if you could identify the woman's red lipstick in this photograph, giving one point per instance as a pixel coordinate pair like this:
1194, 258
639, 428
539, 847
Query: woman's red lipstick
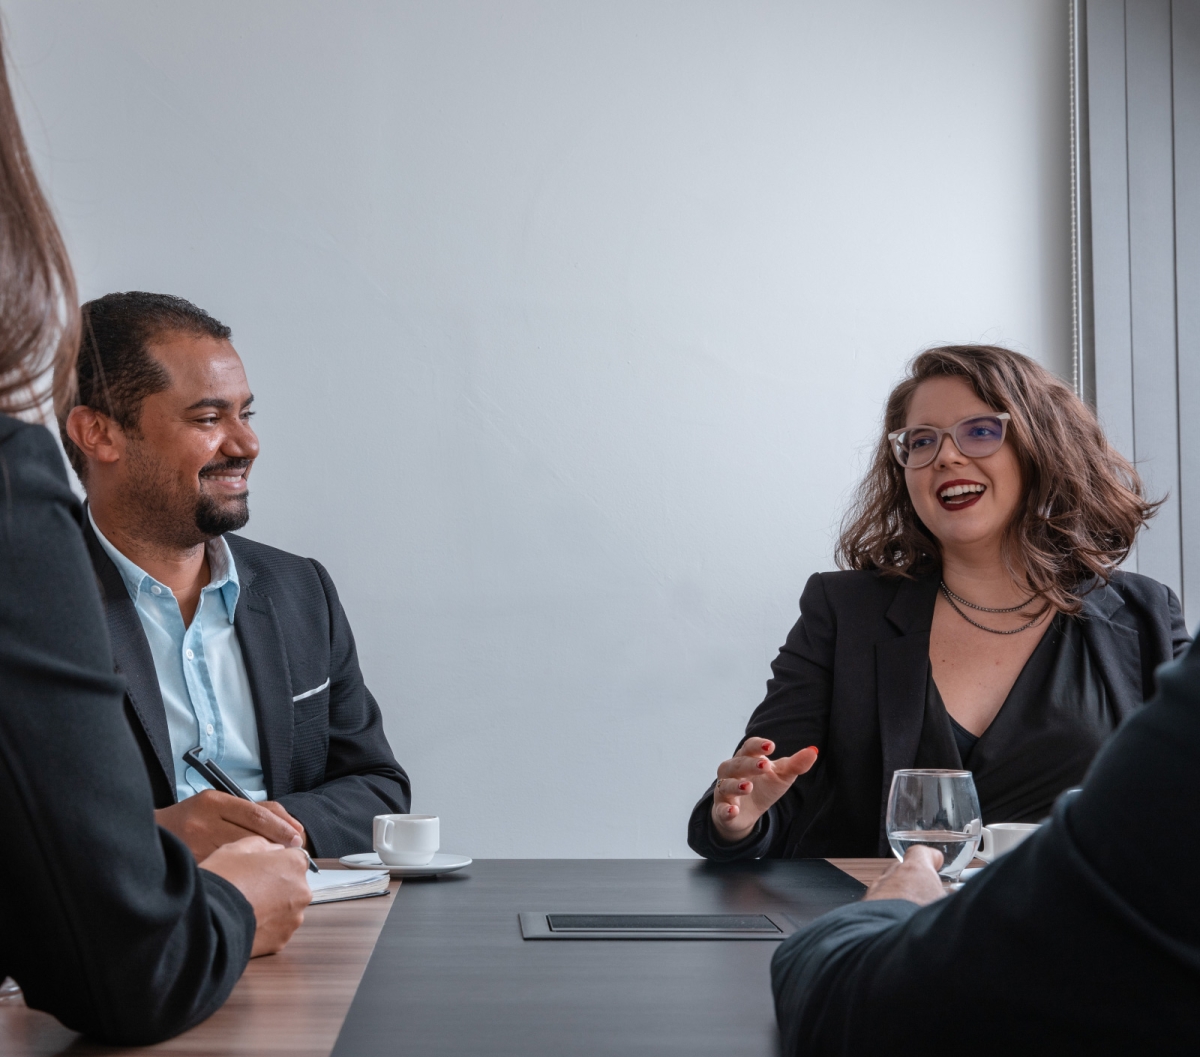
973, 491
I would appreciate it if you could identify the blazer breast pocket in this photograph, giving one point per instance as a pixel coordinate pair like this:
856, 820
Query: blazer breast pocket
304, 695
310, 737
311, 705
311, 702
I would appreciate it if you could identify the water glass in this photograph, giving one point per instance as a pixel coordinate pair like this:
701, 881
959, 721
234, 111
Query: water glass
939, 809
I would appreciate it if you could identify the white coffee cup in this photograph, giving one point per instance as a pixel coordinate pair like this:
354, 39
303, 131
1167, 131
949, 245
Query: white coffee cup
1001, 837
406, 840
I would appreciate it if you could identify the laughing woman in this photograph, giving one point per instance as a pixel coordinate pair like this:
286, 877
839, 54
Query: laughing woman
980, 622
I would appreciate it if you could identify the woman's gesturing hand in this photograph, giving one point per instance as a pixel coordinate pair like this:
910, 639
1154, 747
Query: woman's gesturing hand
750, 783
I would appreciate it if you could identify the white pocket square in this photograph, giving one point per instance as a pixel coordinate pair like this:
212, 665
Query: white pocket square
309, 693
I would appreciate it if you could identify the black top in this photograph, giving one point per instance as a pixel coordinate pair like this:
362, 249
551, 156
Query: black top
105, 921
1084, 939
963, 738
325, 756
852, 677
1054, 720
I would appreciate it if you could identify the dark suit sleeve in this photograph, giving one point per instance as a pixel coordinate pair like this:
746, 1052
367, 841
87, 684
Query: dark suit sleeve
794, 714
1085, 939
362, 777
105, 920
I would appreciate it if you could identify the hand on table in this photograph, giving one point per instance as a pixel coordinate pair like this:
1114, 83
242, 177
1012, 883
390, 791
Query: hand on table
208, 820
274, 881
916, 879
750, 783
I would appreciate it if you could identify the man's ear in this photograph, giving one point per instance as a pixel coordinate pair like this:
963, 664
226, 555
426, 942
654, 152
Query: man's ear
95, 434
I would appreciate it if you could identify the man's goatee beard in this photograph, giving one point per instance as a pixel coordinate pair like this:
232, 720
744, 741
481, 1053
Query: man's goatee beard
213, 520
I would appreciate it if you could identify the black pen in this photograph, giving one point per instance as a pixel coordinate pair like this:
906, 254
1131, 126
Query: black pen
212, 773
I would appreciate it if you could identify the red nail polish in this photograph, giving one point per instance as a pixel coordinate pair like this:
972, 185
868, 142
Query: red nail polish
744, 786
815, 749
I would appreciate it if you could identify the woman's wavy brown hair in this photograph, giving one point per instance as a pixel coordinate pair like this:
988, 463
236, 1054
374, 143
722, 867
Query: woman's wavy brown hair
1082, 505
39, 311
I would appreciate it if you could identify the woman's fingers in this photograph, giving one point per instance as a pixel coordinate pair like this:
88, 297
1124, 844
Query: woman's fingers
731, 788
797, 764
725, 811
726, 794
743, 767
755, 747
759, 766
736, 781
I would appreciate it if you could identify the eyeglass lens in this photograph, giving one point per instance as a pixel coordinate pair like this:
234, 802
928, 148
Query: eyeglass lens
975, 438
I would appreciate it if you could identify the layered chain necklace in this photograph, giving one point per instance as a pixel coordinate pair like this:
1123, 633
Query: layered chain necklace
956, 600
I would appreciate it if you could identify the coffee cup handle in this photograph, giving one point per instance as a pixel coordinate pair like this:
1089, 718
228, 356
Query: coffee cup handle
986, 851
385, 838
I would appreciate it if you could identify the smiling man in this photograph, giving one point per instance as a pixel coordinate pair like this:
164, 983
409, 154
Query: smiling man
227, 645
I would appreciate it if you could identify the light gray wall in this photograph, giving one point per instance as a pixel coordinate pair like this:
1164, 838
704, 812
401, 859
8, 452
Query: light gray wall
569, 325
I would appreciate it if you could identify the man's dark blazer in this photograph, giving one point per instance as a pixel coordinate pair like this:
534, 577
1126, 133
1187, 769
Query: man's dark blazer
105, 921
851, 680
324, 753
1084, 940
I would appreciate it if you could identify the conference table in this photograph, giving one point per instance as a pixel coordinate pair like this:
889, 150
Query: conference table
439, 966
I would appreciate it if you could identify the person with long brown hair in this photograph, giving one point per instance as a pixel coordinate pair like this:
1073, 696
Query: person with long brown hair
980, 620
106, 921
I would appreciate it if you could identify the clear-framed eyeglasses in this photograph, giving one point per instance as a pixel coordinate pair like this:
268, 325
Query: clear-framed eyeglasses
976, 437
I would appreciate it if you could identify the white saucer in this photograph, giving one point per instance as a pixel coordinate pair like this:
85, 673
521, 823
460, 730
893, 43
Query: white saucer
442, 862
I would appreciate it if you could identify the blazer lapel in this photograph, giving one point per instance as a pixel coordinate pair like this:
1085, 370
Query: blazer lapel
1115, 647
131, 655
270, 683
901, 673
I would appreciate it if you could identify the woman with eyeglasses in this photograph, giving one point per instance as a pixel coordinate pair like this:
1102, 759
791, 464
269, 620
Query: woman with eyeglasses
980, 621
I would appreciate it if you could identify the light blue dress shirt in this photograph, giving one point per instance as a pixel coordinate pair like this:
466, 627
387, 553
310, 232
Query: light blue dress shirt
201, 671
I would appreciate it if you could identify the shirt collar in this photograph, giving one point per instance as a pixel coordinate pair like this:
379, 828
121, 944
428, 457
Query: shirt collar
224, 574
222, 570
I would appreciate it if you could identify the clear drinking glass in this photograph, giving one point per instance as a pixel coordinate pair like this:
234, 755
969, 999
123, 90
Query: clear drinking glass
939, 809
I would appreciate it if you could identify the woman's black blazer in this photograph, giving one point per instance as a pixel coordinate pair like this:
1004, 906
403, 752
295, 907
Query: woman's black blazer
105, 920
851, 680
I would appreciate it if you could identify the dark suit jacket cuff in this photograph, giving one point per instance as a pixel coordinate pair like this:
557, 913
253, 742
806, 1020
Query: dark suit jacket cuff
813, 971
236, 915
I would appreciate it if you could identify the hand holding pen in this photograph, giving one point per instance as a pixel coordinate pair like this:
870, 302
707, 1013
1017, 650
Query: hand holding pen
226, 813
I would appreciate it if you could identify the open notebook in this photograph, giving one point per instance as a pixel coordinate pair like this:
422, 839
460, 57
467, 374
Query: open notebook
329, 885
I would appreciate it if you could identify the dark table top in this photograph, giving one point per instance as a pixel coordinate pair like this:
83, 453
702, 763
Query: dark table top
451, 974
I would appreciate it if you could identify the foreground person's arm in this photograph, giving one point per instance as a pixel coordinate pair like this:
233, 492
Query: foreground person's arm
1086, 938
105, 920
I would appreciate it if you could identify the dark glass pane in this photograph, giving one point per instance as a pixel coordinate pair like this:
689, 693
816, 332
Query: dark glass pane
661, 922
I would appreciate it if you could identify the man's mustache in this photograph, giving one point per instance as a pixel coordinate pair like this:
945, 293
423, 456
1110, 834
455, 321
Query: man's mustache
227, 464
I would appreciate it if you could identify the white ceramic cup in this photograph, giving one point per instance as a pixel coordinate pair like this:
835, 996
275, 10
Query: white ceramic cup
1001, 837
406, 840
